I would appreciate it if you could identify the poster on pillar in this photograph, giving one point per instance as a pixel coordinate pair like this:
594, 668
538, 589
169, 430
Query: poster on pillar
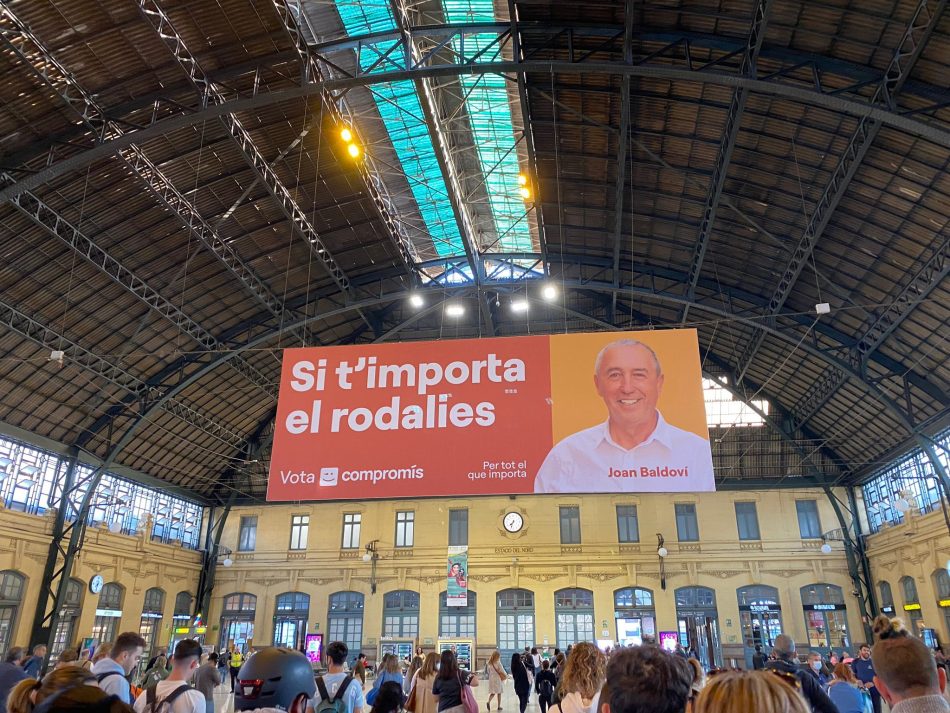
567, 413
456, 587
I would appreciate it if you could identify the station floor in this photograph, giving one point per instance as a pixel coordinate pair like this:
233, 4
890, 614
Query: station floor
224, 701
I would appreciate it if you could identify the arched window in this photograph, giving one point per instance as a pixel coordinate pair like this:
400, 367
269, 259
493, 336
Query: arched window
11, 594
237, 620
909, 589
942, 583
182, 606
108, 613
911, 603
574, 614
634, 615
698, 623
151, 621
760, 617
345, 620
401, 614
69, 615
887, 597
457, 622
515, 620
826, 618
291, 611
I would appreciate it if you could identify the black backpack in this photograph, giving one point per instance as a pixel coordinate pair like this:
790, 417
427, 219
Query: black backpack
336, 704
545, 689
153, 704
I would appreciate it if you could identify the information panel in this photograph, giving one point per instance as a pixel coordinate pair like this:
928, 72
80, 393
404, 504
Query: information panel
567, 413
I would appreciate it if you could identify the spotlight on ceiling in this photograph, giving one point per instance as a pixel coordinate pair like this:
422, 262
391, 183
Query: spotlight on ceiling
549, 292
415, 299
454, 310
519, 305
346, 134
353, 150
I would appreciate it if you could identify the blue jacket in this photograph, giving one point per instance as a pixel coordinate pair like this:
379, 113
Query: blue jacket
848, 698
33, 666
380, 680
10, 676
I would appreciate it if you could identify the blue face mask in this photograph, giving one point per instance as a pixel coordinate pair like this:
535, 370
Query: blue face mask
816, 665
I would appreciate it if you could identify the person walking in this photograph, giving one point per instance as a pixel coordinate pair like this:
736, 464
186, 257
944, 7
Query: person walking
207, 678
235, 661
450, 683
759, 659
522, 680
496, 678
389, 670
359, 668
544, 684
424, 679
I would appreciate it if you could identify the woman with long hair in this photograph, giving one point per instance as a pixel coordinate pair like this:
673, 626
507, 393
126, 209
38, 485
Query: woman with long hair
496, 678
584, 673
844, 692
389, 670
522, 681
744, 691
414, 666
422, 683
389, 699
450, 683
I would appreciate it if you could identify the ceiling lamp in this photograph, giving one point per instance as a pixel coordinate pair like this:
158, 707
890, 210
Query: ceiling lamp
415, 299
549, 292
520, 305
454, 310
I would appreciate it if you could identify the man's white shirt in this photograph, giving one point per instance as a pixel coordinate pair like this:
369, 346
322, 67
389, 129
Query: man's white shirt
193, 701
590, 461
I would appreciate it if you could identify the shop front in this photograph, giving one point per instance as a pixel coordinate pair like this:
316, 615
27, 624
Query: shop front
826, 618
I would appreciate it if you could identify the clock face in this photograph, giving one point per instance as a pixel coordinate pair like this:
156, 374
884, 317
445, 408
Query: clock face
95, 584
513, 522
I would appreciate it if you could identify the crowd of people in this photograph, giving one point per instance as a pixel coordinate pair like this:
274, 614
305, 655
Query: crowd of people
898, 670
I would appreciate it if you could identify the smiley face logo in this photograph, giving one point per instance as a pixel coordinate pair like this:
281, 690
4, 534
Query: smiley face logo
328, 476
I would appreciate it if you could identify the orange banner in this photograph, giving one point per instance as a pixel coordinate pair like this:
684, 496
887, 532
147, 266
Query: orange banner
604, 412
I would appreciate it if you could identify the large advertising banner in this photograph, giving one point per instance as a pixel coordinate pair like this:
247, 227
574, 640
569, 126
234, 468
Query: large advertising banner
577, 413
456, 588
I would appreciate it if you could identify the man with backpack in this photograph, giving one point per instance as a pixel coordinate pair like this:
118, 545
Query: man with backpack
111, 672
338, 691
174, 694
544, 684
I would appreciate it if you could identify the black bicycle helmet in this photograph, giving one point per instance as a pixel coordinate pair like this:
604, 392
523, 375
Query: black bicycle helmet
273, 678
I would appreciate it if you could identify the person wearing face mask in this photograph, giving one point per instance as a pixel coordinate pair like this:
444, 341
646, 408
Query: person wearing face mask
814, 667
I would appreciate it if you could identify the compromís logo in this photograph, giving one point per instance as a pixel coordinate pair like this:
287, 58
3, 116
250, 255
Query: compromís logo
329, 476
377, 475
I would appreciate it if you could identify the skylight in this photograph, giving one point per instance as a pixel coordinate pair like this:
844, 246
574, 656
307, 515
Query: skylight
399, 107
723, 410
493, 131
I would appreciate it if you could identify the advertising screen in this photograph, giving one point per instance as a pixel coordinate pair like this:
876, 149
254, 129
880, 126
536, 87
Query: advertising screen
567, 413
313, 645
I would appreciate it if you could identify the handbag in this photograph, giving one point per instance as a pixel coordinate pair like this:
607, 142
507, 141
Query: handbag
410, 704
468, 697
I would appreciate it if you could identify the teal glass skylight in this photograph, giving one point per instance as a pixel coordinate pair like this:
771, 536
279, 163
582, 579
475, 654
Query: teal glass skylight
398, 105
494, 135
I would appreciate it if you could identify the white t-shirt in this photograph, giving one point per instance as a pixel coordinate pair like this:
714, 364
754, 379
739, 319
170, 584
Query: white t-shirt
191, 702
590, 461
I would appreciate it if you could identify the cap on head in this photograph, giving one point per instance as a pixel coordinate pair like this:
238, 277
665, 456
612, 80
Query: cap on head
273, 678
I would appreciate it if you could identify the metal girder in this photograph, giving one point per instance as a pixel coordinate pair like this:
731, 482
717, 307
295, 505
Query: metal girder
778, 85
32, 51
375, 187
622, 143
908, 51
528, 124
918, 289
211, 92
75, 355
440, 140
85, 247
730, 132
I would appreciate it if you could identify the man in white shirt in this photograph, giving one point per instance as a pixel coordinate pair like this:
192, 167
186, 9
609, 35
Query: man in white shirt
112, 671
635, 449
174, 695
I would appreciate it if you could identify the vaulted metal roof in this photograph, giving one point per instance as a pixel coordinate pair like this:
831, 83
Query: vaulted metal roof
176, 206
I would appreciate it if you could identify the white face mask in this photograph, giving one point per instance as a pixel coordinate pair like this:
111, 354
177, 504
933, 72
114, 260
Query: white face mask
816, 665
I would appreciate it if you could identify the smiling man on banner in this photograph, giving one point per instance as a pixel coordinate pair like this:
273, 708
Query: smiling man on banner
635, 449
